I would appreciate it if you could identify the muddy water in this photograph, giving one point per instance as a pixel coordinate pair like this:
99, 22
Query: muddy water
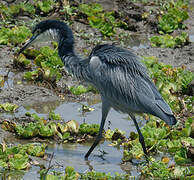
72, 154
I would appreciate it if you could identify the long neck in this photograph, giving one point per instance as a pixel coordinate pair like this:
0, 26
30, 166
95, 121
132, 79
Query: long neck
73, 64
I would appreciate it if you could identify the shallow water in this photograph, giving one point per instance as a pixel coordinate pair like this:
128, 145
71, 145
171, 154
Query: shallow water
72, 154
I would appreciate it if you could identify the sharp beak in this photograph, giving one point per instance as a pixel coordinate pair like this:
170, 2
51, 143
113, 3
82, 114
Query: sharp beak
27, 44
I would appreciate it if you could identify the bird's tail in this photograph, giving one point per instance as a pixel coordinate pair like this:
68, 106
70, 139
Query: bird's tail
166, 115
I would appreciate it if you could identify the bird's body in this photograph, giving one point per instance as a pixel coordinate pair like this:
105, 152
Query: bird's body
116, 72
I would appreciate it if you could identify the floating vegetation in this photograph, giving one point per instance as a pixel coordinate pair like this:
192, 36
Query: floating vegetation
26, 8
168, 41
85, 108
161, 170
171, 19
7, 107
98, 18
54, 116
80, 89
45, 6
21, 62
9, 12
49, 64
68, 131
174, 17
70, 173
14, 36
159, 137
91, 129
17, 157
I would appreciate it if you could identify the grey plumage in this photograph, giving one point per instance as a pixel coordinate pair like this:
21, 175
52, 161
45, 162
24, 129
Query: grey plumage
117, 73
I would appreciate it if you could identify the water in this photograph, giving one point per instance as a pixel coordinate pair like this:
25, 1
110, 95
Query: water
191, 38
72, 154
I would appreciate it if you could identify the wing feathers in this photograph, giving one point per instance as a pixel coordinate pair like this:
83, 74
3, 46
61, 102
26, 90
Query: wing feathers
119, 75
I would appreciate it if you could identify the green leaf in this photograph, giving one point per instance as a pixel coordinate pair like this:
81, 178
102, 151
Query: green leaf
54, 116
18, 162
91, 129
8, 107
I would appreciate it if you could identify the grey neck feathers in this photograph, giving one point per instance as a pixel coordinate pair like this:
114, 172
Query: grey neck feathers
73, 64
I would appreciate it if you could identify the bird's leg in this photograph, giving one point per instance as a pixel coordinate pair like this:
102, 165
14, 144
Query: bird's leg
105, 110
141, 138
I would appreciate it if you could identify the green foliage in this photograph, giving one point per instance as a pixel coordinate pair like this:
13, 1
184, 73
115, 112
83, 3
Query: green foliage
9, 12
54, 116
71, 174
188, 129
98, 18
22, 62
77, 90
17, 157
157, 170
91, 129
14, 36
8, 107
36, 150
174, 17
101, 175
68, 131
168, 41
15, 9
158, 136
49, 65
169, 80
28, 131
45, 6
115, 135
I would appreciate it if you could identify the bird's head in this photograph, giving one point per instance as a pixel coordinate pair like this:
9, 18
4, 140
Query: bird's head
50, 30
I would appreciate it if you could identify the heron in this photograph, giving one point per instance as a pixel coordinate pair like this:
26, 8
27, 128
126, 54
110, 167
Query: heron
121, 79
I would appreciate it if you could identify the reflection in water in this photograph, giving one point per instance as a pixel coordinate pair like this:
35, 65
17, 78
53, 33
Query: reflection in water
89, 165
191, 38
135, 40
11, 174
43, 107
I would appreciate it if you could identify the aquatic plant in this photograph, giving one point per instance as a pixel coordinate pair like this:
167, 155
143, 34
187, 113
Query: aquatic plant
91, 129
68, 131
45, 6
70, 173
100, 19
8, 107
174, 17
14, 36
17, 157
49, 65
54, 116
168, 41
9, 12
